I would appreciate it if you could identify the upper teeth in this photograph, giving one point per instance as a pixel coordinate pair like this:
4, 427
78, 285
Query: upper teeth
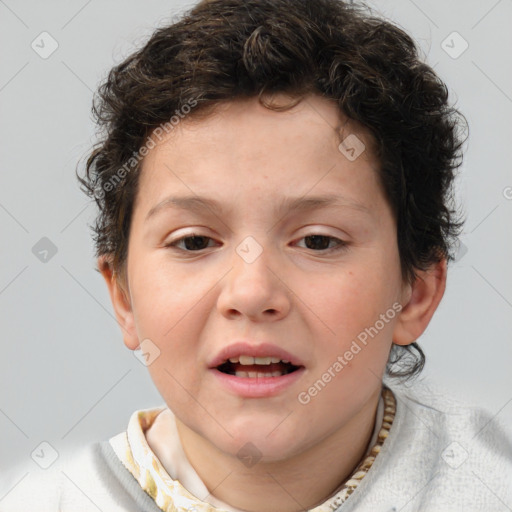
248, 360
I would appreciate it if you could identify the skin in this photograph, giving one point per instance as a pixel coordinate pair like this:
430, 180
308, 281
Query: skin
311, 302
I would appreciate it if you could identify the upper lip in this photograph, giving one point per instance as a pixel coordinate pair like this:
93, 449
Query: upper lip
244, 348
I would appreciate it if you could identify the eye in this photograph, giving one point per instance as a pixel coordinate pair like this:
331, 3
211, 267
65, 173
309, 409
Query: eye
323, 243
317, 243
191, 243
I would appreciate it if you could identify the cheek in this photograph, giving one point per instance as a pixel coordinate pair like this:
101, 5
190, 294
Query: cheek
356, 305
354, 299
171, 313
177, 330
164, 298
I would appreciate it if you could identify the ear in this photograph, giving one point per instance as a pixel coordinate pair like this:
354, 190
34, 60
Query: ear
420, 301
121, 302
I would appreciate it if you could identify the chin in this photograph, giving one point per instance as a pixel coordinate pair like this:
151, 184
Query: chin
265, 440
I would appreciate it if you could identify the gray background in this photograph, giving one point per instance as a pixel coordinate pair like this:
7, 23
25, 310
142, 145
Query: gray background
65, 376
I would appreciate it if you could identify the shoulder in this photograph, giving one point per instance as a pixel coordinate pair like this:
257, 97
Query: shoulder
85, 480
441, 454
444, 411
26, 487
445, 418
470, 459
30, 487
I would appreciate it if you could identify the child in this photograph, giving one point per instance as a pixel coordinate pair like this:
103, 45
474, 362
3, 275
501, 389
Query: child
275, 221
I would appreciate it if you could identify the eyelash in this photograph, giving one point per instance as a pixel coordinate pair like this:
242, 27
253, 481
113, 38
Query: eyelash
340, 244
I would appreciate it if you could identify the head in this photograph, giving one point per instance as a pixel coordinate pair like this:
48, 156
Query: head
326, 152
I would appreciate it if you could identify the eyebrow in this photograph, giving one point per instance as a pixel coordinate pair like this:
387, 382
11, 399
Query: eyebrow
288, 204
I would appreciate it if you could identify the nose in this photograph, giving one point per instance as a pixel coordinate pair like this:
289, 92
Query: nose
254, 290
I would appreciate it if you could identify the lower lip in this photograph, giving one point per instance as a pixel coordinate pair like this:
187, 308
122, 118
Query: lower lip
257, 387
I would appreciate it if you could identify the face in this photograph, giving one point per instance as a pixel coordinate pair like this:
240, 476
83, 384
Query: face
255, 236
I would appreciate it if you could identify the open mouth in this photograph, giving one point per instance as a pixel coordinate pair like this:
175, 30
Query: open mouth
257, 367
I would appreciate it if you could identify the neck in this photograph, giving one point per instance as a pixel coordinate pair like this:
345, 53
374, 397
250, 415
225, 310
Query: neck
298, 483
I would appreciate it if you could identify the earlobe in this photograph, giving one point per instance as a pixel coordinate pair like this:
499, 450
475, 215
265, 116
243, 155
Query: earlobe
120, 301
421, 300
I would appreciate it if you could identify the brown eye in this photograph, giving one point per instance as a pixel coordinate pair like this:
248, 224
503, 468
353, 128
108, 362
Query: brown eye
318, 242
191, 243
326, 243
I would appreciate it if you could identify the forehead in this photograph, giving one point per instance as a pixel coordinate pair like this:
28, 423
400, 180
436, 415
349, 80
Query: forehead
243, 144
313, 117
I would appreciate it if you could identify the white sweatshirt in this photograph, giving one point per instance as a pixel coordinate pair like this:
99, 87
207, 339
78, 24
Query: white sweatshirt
440, 456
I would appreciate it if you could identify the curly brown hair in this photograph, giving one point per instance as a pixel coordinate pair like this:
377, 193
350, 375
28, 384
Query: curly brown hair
226, 49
